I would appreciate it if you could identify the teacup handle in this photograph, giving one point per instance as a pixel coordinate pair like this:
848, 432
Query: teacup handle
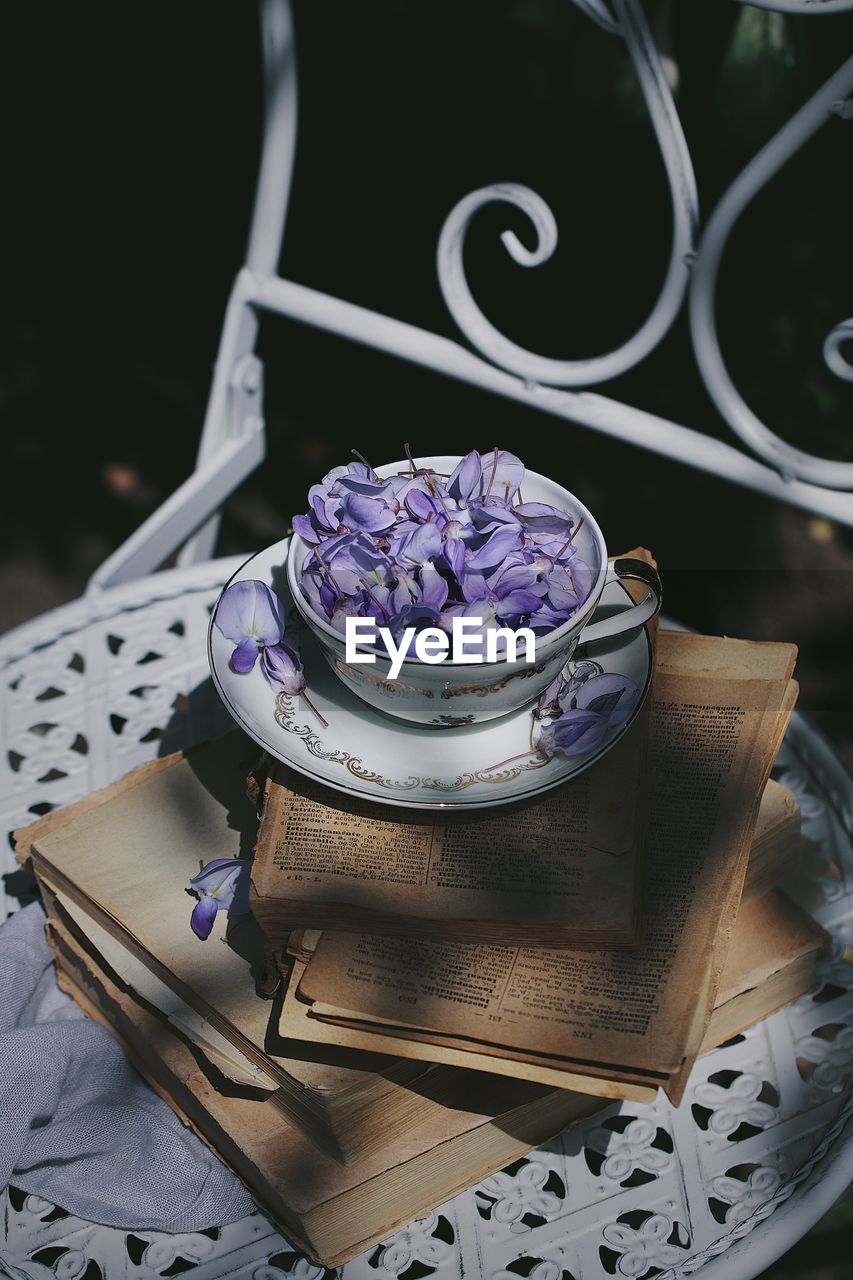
625, 567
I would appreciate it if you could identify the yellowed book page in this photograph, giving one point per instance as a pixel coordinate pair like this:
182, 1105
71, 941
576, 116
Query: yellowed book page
770, 933
297, 1024
773, 854
776, 844
770, 961
145, 984
778, 808
715, 725
568, 857
728, 915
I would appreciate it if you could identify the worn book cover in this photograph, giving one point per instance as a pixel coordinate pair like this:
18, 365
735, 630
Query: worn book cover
334, 1212
124, 857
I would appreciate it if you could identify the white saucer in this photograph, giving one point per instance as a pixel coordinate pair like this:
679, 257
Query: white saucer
372, 756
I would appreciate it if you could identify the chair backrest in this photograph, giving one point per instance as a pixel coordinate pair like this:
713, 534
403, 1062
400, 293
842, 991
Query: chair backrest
232, 441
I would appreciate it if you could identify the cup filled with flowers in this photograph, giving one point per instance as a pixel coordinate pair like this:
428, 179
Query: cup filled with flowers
446, 544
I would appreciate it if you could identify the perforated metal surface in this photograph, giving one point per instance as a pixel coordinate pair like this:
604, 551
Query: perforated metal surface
758, 1150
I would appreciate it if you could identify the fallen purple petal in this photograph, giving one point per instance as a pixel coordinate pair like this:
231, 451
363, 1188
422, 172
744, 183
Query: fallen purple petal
222, 884
203, 916
244, 657
610, 694
249, 609
576, 733
283, 669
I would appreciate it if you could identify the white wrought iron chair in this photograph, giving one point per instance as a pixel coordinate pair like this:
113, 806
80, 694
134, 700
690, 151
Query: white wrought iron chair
96, 687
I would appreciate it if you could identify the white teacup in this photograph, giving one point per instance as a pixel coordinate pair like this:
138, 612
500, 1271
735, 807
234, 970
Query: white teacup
449, 694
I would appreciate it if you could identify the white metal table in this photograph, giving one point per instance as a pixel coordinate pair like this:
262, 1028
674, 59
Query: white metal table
760, 1148
763, 1143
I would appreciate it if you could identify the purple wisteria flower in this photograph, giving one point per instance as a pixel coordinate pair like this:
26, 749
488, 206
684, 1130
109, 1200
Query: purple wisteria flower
221, 885
576, 733
581, 708
252, 618
418, 548
282, 666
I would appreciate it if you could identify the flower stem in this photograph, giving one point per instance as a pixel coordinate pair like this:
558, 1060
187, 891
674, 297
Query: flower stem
323, 721
328, 572
574, 533
494, 472
428, 475
436, 492
522, 755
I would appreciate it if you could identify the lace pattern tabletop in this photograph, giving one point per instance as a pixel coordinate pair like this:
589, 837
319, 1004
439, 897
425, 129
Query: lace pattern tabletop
758, 1150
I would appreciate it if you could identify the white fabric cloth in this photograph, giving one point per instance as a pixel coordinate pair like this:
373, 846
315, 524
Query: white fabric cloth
79, 1126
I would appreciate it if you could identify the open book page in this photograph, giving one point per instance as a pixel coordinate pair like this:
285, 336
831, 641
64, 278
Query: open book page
771, 961
569, 857
717, 717
298, 1024
773, 854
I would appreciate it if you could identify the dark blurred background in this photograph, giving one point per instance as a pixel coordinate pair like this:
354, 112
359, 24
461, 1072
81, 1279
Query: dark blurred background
131, 136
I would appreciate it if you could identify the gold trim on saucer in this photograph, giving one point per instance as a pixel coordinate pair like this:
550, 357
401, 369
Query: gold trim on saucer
285, 711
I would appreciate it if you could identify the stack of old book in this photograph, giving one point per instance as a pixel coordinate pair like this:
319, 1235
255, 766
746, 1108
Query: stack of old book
418, 999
